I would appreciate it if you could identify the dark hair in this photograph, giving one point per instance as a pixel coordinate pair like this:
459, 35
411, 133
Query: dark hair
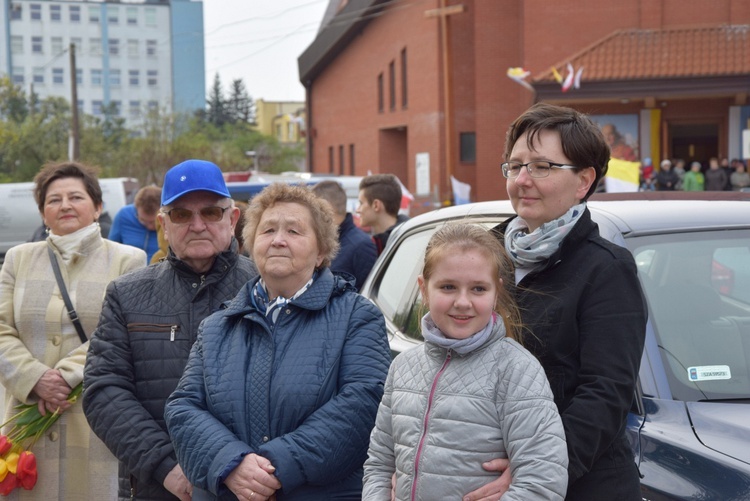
581, 139
326, 231
53, 171
148, 198
464, 237
383, 187
333, 193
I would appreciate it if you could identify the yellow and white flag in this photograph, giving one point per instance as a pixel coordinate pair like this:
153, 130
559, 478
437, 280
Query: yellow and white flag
622, 176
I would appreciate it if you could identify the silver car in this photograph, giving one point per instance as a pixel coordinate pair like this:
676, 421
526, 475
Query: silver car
690, 422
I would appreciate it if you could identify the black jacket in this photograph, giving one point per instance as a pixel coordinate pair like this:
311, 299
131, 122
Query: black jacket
586, 321
137, 354
381, 239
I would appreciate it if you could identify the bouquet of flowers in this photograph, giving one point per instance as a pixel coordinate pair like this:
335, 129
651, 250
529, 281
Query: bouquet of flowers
17, 462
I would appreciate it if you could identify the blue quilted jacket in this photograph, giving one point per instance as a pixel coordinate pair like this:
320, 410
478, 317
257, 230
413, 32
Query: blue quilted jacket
303, 394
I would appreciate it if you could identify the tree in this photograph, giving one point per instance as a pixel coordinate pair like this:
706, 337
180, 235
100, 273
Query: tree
216, 113
13, 103
240, 106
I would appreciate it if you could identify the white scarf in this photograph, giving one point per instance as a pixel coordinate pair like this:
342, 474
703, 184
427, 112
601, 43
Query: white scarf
70, 244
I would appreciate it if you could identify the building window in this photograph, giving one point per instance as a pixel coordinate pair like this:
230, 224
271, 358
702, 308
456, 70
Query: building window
132, 48
351, 159
96, 77
151, 47
331, 166
77, 44
404, 95
16, 10
114, 47
94, 12
74, 13
36, 45
341, 159
381, 103
16, 44
468, 146
80, 106
114, 78
392, 84
18, 75
134, 77
35, 11
38, 76
57, 76
56, 43
95, 45
152, 76
131, 13
113, 15
134, 109
55, 13
96, 108
150, 16
79, 76
290, 135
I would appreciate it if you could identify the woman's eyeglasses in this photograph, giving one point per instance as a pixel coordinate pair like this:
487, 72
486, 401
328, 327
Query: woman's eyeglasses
208, 214
537, 168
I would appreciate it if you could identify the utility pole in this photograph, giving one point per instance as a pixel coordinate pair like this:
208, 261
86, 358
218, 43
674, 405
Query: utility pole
74, 144
442, 12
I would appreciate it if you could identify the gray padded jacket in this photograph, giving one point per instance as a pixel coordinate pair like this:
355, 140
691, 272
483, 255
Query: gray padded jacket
444, 414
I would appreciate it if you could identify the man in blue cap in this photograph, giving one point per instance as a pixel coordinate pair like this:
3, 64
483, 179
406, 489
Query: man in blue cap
149, 322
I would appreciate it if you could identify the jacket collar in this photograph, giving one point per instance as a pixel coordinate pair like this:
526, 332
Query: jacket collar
315, 298
224, 261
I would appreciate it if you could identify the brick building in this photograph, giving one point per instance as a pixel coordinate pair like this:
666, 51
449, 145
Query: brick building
419, 88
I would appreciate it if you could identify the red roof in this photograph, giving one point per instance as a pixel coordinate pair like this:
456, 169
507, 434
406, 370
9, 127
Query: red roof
667, 53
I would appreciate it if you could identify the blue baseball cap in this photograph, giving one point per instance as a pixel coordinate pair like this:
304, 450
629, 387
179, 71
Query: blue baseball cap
190, 176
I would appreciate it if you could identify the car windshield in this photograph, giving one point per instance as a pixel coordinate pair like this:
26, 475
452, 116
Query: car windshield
697, 286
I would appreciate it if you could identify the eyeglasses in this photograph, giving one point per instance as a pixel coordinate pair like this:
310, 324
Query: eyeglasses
208, 214
536, 169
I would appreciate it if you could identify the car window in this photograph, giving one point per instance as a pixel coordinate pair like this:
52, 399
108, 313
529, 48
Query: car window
698, 289
397, 291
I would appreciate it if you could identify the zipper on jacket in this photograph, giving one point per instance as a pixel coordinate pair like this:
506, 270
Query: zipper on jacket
148, 327
425, 423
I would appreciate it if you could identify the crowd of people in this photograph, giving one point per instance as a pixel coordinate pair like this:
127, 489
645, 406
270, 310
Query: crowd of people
242, 363
715, 176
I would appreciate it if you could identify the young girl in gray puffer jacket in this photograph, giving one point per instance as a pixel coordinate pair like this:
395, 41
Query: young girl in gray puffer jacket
471, 393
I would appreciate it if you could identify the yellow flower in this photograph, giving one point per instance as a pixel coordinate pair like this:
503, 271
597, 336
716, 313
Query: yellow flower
3, 469
11, 461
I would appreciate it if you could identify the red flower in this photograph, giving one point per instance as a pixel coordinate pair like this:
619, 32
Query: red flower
8, 484
5, 444
26, 470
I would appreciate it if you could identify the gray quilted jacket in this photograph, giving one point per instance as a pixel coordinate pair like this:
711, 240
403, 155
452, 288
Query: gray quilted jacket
444, 414
137, 354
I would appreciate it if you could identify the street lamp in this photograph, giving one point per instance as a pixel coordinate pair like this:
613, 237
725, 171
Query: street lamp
254, 156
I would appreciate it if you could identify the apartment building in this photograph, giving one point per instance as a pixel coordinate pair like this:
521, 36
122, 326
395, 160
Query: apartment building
134, 55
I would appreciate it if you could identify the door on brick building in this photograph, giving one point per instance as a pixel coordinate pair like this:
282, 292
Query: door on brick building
694, 142
393, 153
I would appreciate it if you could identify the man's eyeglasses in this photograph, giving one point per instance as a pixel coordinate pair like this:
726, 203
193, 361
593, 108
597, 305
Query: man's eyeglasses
208, 214
536, 169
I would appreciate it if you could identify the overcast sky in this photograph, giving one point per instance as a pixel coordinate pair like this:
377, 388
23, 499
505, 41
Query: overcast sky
259, 41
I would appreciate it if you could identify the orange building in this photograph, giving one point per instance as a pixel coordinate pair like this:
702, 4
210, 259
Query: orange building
420, 88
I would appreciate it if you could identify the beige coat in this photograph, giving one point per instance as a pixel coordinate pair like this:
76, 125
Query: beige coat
36, 335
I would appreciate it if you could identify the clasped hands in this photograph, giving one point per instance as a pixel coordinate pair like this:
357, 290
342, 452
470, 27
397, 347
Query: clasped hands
253, 479
53, 392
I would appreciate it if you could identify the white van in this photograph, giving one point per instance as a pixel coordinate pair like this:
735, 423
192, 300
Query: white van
19, 214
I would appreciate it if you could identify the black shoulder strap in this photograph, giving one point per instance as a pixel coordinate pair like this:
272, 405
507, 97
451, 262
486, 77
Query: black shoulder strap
64, 291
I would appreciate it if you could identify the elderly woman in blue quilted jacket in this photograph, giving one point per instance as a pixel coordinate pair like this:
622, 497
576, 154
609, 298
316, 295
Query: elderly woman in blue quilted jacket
282, 386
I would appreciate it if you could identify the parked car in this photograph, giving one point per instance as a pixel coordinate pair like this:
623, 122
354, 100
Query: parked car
690, 422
